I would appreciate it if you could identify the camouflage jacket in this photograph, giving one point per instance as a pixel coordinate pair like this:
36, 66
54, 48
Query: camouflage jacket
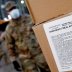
21, 39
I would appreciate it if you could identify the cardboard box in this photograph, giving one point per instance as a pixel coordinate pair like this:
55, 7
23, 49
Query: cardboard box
48, 50
43, 10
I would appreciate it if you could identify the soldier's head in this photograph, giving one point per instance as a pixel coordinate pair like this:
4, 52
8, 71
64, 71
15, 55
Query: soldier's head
12, 9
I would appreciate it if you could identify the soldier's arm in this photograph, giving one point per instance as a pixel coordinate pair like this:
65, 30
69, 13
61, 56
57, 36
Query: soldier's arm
8, 38
9, 41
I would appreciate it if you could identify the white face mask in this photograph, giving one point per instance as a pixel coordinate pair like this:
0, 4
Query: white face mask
15, 13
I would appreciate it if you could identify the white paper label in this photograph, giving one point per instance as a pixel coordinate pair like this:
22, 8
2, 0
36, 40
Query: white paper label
59, 35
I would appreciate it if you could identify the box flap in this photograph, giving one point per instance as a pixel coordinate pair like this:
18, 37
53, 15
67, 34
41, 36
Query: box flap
43, 10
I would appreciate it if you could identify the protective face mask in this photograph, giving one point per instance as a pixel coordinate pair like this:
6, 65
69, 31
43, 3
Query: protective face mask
15, 13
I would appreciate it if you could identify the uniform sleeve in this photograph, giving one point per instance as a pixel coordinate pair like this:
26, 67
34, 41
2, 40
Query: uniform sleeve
9, 41
8, 37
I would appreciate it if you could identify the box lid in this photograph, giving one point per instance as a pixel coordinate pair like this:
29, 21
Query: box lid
43, 10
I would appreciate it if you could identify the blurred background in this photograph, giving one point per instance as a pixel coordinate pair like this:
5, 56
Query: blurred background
20, 3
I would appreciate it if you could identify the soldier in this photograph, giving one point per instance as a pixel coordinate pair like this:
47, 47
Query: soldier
20, 41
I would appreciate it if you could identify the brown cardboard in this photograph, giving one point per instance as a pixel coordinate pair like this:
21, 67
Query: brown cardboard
42, 39
43, 10
40, 34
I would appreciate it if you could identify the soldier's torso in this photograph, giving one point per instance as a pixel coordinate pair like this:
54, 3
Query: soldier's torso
24, 36
25, 39
19, 33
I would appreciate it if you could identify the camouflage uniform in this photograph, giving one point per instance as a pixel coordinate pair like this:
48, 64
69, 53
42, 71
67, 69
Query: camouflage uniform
20, 41
1, 53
